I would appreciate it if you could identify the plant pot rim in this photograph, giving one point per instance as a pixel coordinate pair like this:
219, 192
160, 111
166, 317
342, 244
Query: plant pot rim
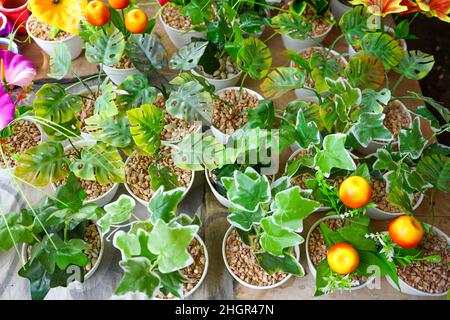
242, 282
237, 75
94, 268
142, 201
224, 201
118, 69
46, 41
414, 291
24, 6
311, 266
177, 30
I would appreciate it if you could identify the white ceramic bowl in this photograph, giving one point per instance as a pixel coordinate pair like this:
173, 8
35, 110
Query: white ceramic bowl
118, 76
145, 203
242, 282
221, 136
74, 43
181, 38
94, 268
220, 84
311, 267
407, 289
338, 9
223, 201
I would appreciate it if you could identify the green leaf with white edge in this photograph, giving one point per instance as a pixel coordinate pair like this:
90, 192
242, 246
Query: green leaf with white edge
282, 80
170, 244
60, 61
127, 243
147, 123
411, 141
162, 177
44, 163
105, 104
272, 264
307, 132
101, 163
190, 102
244, 220
362, 171
114, 131
370, 127
374, 101
334, 155
275, 238
384, 161
254, 58
138, 278
426, 114
188, 56
365, 71
105, 48
291, 208
291, 24
146, 52
415, 65
281, 184
172, 283
136, 91
120, 210
400, 198
416, 181
345, 96
247, 190
163, 204
355, 235
384, 47
435, 169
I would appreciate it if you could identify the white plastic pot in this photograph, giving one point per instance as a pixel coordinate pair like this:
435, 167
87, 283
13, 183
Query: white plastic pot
181, 38
375, 145
338, 9
145, 203
298, 45
220, 84
223, 201
307, 94
74, 44
109, 195
311, 267
90, 273
221, 136
407, 289
118, 76
242, 282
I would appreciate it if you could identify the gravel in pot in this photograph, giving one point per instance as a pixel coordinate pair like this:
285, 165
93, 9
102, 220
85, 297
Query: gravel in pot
379, 197
26, 135
124, 63
42, 31
396, 118
227, 70
87, 111
172, 17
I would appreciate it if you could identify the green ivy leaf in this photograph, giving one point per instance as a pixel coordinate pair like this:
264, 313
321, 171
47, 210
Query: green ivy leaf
370, 127
334, 155
14, 229
137, 91
105, 48
162, 177
138, 277
411, 141
172, 283
282, 80
244, 220
426, 114
275, 238
60, 61
287, 263
307, 132
70, 195
254, 58
163, 204
384, 161
415, 65
188, 56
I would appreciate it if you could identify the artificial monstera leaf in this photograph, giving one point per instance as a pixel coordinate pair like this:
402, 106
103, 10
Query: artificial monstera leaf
383, 47
275, 238
147, 123
117, 212
101, 163
53, 103
307, 133
281, 81
374, 101
42, 164
291, 208
137, 91
293, 25
138, 277
354, 25
287, 263
190, 102
435, 169
415, 65
146, 52
170, 244
162, 177
188, 56
364, 71
163, 204
114, 131
105, 104
60, 61
254, 58
370, 127
252, 23
105, 48
411, 141
324, 68
334, 155
247, 190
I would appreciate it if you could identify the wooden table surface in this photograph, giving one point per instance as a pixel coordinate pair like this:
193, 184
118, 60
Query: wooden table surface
218, 284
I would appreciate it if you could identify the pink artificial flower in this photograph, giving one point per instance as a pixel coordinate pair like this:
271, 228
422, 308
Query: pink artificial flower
16, 69
6, 108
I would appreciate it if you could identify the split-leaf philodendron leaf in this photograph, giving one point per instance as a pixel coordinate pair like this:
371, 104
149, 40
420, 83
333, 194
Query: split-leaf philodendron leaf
188, 56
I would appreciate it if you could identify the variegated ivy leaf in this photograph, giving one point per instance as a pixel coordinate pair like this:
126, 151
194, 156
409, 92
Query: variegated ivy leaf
247, 190
127, 243
105, 104
117, 212
345, 96
291, 209
163, 204
170, 244
374, 101
275, 238
60, 61
188, 56
281, 184
138, 278
415, 65
424, 113
190, 102
101, 163
370, 127
307, 132
244, 220
282, 80
384, 161
147, 123
411, 141
334, 155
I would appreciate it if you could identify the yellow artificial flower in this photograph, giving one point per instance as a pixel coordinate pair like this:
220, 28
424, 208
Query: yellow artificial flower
62, 14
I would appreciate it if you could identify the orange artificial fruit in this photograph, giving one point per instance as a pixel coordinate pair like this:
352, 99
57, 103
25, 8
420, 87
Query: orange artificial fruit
136, 21
97, 13
343, 258
406, 231
355, 192
119, 4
